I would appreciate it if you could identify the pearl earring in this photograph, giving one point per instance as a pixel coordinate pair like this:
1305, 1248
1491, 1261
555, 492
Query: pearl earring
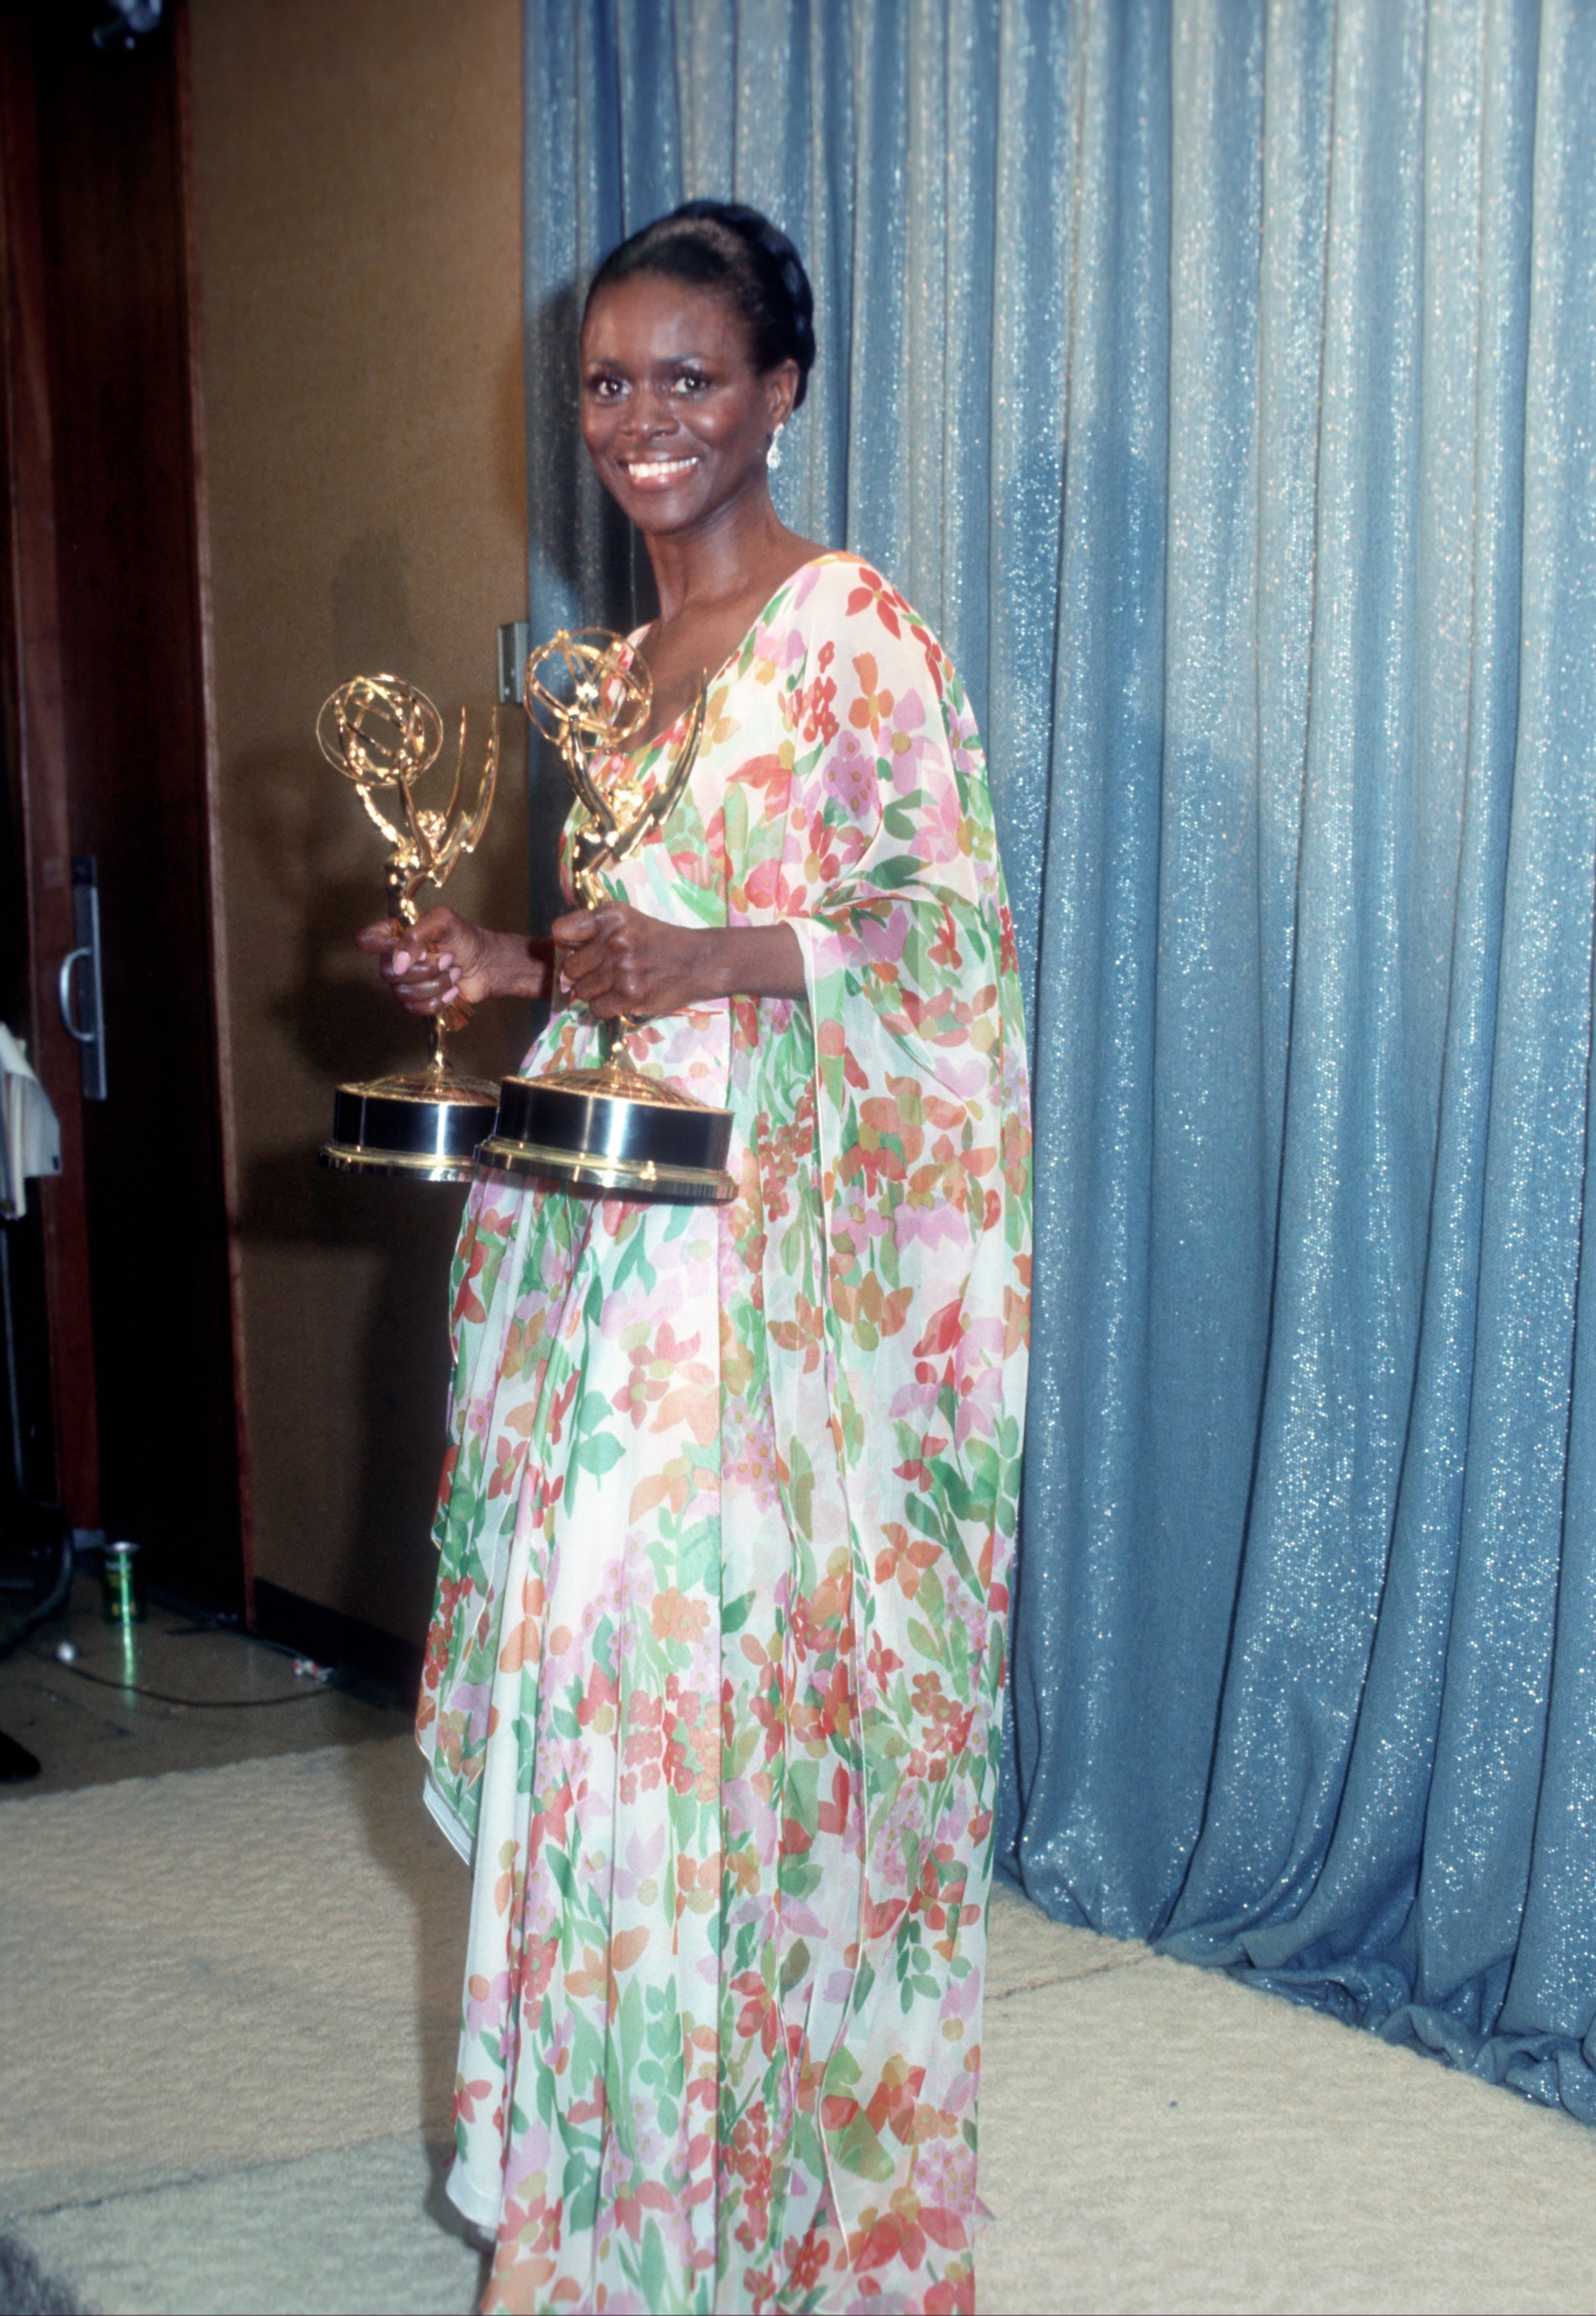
773, 455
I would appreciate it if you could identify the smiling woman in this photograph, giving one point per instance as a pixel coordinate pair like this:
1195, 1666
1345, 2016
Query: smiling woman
710, 1689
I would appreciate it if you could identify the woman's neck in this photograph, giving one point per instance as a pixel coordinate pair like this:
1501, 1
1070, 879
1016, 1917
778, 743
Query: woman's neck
730, 557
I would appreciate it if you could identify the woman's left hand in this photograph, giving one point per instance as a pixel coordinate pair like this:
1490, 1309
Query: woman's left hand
617, 961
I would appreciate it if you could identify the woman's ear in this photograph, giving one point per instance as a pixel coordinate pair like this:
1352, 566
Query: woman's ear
781, 392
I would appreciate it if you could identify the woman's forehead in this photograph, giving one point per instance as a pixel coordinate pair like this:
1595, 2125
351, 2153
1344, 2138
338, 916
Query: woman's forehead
650, 317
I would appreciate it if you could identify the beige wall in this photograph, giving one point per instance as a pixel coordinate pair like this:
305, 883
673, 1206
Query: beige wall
357, 216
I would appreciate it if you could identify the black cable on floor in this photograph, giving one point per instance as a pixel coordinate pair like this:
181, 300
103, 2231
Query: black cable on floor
53, 1601
197, 1704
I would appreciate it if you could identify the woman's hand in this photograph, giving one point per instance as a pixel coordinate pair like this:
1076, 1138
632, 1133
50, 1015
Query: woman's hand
441, 964
616, 961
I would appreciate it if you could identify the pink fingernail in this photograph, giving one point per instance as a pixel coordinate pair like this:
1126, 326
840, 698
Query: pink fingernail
402, 960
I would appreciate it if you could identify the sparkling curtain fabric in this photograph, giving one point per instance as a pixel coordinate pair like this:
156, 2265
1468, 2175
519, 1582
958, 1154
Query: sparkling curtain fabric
1219, 380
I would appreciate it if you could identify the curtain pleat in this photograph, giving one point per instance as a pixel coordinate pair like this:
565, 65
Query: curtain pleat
1220, 380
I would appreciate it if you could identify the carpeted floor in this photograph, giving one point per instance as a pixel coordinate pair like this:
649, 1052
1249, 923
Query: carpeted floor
229, 1998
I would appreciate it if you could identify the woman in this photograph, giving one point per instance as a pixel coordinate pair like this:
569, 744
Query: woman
711, 1694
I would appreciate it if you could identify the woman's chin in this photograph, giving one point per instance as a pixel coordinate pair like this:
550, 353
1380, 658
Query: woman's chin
661, 512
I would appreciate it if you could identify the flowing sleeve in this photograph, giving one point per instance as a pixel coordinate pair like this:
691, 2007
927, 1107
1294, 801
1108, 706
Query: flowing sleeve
891, 880
891, 877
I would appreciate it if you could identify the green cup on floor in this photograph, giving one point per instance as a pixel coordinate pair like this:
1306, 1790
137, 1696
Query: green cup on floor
121, 1601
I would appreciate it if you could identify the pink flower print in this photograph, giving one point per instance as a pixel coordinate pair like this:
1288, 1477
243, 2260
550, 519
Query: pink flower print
851, 777
485, 2000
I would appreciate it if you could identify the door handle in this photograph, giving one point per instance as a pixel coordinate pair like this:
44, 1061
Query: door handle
64, 996
82, 1010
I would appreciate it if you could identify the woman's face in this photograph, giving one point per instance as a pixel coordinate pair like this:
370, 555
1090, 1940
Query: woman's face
675, 416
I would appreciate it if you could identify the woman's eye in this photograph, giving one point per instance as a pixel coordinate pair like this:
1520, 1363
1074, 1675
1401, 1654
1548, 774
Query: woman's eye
690, 381
604, 389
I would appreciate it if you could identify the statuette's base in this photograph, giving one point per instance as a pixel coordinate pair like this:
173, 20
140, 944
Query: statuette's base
613, 1129
424, 1126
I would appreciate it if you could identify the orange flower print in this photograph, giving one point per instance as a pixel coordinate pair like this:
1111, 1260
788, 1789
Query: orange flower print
674, 1617
872, 705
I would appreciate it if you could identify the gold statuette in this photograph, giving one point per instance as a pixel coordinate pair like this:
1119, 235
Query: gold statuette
384, 735
609, 1128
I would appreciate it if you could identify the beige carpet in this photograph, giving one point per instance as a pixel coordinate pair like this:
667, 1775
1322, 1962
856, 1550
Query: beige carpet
229, 2001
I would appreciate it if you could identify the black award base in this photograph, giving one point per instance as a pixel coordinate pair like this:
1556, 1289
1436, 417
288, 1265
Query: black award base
426, 1126
615, 1130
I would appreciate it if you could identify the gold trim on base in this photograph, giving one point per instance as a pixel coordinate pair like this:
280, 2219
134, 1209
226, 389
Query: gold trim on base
700, 1185
345, 1158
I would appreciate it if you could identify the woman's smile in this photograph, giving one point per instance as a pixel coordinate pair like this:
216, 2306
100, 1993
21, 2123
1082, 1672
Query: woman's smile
651, 471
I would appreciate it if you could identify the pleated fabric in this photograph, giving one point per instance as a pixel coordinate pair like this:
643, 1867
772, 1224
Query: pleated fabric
1219, 378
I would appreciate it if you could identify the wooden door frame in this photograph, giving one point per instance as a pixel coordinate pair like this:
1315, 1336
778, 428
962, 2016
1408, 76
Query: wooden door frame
31, 678
199, 499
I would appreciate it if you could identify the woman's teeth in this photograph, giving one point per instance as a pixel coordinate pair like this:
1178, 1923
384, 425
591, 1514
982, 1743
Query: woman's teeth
658, 470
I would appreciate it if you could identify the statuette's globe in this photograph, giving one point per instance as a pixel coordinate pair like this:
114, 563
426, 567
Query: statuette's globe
380, 731
589, 689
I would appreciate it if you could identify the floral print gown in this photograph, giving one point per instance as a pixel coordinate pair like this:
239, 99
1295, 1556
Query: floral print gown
712, 1685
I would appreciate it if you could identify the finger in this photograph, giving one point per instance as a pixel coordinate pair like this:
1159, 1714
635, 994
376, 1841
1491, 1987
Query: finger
576, 929
618, 989
613, 1005
586, 972
423, 975
378, 939
436, 926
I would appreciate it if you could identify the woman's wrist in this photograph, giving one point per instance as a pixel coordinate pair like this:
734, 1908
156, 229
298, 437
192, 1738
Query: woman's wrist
751, 961
519, 966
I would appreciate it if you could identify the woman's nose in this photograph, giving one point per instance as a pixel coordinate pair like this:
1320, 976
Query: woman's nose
650, 412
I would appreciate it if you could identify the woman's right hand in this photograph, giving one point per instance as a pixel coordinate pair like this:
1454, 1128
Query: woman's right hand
441, 963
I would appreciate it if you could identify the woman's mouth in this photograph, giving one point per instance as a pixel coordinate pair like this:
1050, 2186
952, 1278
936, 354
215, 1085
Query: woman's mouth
656, 474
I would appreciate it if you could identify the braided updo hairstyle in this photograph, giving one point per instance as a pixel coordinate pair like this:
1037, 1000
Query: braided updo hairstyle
725, 246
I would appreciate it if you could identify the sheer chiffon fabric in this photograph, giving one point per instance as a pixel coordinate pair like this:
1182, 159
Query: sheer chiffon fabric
711, 1695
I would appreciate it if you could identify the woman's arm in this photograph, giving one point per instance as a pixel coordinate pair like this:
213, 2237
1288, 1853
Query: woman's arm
616, 960
442, 960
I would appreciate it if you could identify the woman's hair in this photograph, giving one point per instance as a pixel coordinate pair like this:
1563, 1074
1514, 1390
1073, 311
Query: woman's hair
726, 246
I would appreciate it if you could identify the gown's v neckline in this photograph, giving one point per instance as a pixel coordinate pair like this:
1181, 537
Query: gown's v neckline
832, 554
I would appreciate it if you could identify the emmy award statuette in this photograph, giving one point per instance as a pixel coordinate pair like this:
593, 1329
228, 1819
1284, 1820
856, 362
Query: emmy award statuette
609, 1128
383, 733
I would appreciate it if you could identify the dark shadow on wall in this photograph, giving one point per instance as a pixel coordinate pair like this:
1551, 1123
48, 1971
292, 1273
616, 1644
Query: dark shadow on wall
344, 1025
318, 864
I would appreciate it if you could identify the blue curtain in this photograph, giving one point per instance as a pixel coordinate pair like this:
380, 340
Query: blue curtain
1220, 379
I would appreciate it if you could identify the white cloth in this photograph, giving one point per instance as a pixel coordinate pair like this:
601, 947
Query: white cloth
29, 1133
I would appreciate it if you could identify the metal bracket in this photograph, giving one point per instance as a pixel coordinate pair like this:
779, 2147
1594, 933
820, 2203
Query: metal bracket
515, 641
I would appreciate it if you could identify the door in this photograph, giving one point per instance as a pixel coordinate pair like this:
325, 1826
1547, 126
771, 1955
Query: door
104, 652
